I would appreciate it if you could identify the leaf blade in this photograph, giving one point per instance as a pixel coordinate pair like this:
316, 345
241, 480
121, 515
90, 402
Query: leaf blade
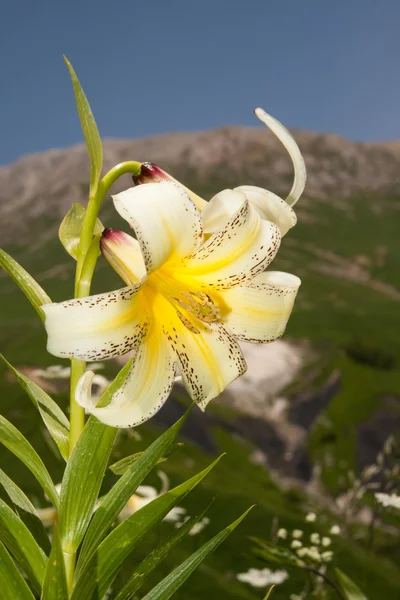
55, 581
161, 552
52, 415
12, 584
70, 229
12, 439
112, 504
26, 283
22, 545
168, 586
84, 473
26, 511
349, 588
102, 568
89, 128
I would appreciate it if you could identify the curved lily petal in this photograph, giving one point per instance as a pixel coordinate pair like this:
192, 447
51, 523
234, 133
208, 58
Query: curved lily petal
239, 251
144, 391
165, 220
96, 327
283, 135
220, 208
268, 205
209, 357
260, 309
123, 254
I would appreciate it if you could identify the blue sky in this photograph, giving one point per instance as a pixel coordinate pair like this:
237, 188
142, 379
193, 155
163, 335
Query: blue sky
169, 65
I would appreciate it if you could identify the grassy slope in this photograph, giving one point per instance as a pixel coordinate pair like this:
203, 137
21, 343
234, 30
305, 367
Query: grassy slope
329, 309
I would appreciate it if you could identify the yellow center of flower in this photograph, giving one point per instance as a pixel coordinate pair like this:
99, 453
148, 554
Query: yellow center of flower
191, 304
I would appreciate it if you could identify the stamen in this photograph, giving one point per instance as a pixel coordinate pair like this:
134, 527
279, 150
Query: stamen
187, 323
200, 305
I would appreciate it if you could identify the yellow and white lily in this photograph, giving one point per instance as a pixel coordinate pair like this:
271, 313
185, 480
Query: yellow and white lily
269, 206
188, 299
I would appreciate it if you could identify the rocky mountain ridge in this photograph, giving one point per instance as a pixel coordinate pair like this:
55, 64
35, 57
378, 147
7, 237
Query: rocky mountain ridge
45, 184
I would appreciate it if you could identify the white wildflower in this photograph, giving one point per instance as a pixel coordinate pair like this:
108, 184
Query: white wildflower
259, 578
326, 541
197, 527
282, 533
388, 500
315, 538
297, 534
327, 556
311, 517
296, 544
335, 530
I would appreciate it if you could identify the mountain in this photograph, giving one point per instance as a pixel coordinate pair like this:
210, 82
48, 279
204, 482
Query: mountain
46, 183
343, 399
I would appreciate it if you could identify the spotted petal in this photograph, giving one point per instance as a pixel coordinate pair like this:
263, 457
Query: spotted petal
166, 221
208, 356
96, 327
145, 389
259, 310
269, 206
239, 251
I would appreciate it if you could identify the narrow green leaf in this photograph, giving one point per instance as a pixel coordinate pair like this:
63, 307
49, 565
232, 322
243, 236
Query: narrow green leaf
102, 568
119, 467
32, 290
112, 503
275, 554
26, 511
55, 581
161, 552
84, 472
90, 131
350, 589
22, 545
52, 415
269, 592
71, 227
168, 586
12, 584
19, 445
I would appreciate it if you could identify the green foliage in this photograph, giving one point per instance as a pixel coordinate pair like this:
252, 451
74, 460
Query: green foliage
102, 567
71, 228
112, 504
25, 510
12, 584
84, 473
52, 415
55, 581
27, 284
20, 542
349, 588
90, 131
142, 572
275, 554
18, 445
168, 586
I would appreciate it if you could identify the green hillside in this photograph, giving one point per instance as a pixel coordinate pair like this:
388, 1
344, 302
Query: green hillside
347, 254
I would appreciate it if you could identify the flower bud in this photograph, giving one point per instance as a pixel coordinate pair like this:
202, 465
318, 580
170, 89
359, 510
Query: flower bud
151, 173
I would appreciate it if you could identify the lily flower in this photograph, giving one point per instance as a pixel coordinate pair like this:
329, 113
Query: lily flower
187, 302
222, 206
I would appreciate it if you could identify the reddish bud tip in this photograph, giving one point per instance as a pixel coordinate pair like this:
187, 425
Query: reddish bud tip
150, 173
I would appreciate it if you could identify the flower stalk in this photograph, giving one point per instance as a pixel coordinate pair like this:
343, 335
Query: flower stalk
85, 265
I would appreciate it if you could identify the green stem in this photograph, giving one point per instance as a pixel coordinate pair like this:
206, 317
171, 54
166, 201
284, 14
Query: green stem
86, 263
69, 560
